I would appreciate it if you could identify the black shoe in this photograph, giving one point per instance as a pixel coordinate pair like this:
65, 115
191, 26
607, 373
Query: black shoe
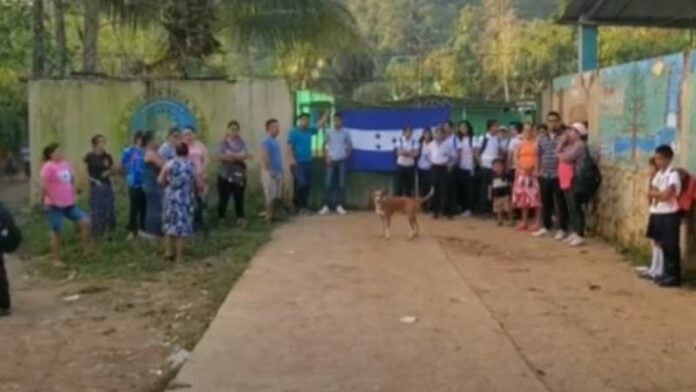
5, 312
668, 282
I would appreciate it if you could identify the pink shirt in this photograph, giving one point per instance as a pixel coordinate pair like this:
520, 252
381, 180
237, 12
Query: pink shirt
57, 179
198, 155
566, 171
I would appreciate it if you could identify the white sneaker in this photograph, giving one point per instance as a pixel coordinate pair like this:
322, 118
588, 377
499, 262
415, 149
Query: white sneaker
466, 214
340, 210
324, 210
560, 235
570, 238
577, 241
540, 233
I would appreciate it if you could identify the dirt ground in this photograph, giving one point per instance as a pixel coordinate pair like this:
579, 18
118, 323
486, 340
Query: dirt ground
322, 309
79, 335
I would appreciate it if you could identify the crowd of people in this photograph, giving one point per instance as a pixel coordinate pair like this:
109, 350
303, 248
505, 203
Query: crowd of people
538, 178
167, 187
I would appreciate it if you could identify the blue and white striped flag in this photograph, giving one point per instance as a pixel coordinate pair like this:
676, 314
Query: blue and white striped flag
375, 133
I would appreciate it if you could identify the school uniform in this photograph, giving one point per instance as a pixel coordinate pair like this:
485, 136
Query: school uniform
424, 176
664, 226
466, 184
452, 203
440, 155
490, 149
406, 167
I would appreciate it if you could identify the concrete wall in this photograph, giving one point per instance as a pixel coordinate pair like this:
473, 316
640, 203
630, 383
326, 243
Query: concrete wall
70, 112
631, 109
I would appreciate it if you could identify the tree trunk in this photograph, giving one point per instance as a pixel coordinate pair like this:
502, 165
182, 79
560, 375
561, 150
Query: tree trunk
39, 49
59, 33
90, 55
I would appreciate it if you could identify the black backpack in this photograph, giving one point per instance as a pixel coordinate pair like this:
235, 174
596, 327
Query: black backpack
588, 178
10, 235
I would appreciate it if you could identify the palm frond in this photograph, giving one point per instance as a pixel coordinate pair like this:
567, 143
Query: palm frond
324, 23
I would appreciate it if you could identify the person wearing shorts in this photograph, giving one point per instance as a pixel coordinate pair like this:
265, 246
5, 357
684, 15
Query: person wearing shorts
501, 193
60, 198
271, 167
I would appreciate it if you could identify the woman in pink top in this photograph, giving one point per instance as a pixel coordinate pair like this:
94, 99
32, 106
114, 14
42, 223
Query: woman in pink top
198, 155
571, 152
60, 198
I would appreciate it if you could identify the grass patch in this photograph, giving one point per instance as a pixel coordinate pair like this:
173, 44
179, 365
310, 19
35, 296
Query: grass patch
135, 260
636, 255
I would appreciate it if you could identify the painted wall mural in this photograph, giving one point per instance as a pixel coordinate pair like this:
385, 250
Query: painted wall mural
637, 105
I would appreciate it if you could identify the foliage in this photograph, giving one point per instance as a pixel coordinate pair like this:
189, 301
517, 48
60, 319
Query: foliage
15, 49
618, 45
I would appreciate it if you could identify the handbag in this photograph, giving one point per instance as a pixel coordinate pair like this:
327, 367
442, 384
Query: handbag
236, 175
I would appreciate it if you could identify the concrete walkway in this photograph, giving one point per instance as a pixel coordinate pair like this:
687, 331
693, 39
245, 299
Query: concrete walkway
320, 309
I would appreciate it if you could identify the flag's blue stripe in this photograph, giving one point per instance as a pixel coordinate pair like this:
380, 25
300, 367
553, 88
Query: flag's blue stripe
372, 161
390, 119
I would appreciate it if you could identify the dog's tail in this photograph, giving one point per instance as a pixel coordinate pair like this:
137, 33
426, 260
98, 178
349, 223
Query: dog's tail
427, 197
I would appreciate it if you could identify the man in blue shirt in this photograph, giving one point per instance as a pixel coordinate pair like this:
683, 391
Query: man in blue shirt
337, 149
300, 157
132, 162
271, 167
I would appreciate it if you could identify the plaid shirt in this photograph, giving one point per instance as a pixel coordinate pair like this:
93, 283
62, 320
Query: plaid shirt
548, 161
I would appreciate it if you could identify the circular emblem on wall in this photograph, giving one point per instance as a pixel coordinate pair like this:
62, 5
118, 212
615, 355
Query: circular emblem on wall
160, 114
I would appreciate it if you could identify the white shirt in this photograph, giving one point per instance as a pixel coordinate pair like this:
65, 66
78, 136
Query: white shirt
492, 151
423, 160
513, 144
466, 153
410, 145
440, 153
662, 181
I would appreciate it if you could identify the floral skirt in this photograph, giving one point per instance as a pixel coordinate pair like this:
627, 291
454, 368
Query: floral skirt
525, 193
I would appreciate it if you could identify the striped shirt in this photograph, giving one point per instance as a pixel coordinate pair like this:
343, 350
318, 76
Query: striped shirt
548, 161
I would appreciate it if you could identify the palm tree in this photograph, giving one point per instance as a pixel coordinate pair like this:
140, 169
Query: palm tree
191, 25
39, 31
126, 12
60, 38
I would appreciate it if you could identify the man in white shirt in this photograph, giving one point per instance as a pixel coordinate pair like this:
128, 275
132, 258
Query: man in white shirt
406, 153
665, 217
488, 150
441, 156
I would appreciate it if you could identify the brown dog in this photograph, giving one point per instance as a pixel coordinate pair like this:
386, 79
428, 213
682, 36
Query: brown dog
386, 206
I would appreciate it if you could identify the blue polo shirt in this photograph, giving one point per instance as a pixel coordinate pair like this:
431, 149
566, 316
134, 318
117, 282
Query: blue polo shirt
275, 156
301, 142
132, 162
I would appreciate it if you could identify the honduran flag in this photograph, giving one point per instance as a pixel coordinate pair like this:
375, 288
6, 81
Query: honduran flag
376, 132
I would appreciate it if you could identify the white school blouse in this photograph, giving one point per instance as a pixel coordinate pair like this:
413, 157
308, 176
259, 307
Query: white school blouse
440, 153
662, 181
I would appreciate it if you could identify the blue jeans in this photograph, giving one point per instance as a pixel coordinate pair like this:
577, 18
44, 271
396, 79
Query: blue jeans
56, 215
335, 183
302, 175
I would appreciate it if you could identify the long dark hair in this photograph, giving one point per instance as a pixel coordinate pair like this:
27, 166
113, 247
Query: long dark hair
421, 141
469, 129
49, 150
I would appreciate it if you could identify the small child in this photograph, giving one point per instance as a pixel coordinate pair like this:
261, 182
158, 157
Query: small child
665, 217
657, 260
501, 193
